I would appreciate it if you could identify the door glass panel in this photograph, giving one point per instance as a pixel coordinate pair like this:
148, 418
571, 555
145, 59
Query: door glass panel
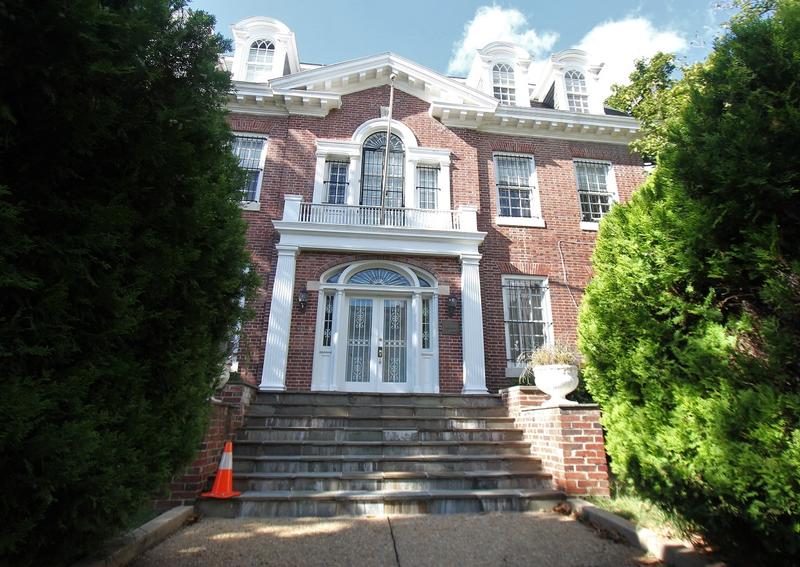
394, 340
359, 340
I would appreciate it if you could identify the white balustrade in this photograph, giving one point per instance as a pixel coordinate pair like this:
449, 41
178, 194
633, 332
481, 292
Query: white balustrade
363, 215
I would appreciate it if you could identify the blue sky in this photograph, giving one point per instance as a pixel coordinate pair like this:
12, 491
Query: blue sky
442, 34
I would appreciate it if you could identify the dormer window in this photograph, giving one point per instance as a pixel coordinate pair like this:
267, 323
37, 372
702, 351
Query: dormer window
577, 96
503, 83
259, 60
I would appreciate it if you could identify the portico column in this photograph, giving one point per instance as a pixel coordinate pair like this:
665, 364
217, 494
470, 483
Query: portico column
472, 326
273, 376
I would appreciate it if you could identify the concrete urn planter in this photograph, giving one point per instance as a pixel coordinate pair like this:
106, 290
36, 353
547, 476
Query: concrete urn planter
556, 380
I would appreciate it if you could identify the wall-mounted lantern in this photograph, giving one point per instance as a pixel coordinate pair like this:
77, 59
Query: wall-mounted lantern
302, 300
452, 303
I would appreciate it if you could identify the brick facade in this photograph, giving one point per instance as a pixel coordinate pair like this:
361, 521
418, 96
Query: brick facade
561, 249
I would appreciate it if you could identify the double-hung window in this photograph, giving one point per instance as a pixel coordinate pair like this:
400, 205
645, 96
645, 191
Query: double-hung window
596, 190
503, 83
517, 195
336, 182
577, 97
252, 152
427, 187
259, 60
526, 313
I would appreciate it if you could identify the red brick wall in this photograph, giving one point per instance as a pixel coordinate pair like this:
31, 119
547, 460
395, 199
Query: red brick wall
568, 439
560, 247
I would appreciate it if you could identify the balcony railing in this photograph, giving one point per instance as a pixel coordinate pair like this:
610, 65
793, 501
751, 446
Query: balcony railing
463, 219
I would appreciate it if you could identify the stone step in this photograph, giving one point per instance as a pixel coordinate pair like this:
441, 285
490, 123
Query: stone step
392, 481
384, 422
374, 463
375, 434
395, 410
358, 503
381, 448
345, 399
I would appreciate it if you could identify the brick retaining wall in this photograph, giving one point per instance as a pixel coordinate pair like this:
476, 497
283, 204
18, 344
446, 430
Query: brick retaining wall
227, 415
568, 439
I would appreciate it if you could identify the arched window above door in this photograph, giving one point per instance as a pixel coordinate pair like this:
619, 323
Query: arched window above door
373, 154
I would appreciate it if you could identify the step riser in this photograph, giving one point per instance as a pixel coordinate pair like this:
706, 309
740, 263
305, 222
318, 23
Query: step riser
385, 435
383, 423
327, 508
267, 466
259, 450
423, 484
374, 411
377, 400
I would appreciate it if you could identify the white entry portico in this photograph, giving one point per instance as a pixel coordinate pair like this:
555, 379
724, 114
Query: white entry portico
376, 329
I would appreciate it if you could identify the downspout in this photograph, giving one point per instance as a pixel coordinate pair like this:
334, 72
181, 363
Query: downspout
385, 177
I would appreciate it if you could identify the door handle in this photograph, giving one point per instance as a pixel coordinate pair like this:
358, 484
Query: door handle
380, 352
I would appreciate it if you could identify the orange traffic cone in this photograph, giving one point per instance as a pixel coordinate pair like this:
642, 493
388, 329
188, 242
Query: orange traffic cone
223, 484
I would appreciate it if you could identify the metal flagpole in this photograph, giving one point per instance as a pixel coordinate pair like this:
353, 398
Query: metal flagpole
385, 177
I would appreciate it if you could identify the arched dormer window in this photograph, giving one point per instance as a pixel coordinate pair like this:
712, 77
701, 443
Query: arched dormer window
503, 83
373, 153
259, 60
577, 96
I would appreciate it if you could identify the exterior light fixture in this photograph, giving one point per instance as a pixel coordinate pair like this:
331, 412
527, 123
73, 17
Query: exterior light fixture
302, 300
452, 303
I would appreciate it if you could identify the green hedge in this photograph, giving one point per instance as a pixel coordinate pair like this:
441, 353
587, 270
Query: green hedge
691, 325
121, 261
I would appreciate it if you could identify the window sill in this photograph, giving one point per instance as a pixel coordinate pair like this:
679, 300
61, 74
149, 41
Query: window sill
520, 221
250, 206
593, 226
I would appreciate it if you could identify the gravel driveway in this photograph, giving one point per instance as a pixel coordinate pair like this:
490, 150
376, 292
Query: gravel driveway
529, 539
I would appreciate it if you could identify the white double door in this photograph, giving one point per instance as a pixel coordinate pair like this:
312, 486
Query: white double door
377, 344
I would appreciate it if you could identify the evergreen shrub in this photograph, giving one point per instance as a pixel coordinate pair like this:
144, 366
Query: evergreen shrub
691, 326
122, 261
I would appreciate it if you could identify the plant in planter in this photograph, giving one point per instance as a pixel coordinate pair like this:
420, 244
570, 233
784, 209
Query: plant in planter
555, 371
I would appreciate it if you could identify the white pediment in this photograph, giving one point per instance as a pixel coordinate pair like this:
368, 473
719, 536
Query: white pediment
368, 72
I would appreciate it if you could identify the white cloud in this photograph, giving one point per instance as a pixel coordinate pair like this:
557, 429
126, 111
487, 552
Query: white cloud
493, 23
620, 43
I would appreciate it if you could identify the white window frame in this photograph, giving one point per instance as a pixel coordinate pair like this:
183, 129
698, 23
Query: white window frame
418, 180
328, 163
513, 368
535, 220
501, 80
255, 204
581, 94
611, 186
257, 71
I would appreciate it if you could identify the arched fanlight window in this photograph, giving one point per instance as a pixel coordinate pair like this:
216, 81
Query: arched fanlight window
577, 97
372, 170
259, 60
503, 83
379, 276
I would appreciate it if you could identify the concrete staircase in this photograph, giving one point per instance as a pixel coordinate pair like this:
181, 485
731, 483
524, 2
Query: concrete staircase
331, 454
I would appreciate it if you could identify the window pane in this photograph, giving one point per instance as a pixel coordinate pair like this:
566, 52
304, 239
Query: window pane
249, 150
526, 323
513, 185
327, 326
426, 323
372, 171
593, 193
336, 183
428, 187
503, 83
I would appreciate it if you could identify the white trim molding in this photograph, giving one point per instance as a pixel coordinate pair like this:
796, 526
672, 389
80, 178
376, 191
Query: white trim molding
474, 362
